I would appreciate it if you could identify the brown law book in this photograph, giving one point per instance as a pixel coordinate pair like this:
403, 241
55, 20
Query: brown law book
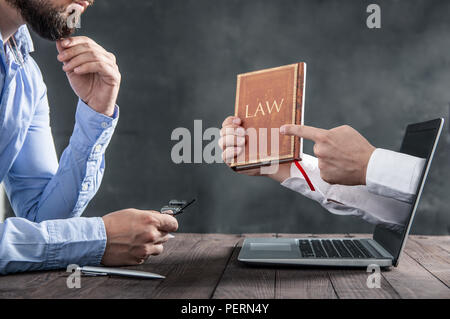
266, 100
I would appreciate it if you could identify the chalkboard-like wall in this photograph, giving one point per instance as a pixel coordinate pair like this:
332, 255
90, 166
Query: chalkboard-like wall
179, 60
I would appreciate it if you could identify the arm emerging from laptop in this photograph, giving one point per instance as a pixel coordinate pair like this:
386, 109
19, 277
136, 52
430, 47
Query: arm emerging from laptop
349, 175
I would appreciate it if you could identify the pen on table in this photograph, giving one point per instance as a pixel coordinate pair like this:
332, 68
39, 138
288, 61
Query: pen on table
104, 271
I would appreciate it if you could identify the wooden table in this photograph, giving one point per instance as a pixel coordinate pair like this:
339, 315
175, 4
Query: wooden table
206, 266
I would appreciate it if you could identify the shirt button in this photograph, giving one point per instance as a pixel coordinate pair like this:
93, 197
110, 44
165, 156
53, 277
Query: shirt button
104, 125
98, 149
85, 187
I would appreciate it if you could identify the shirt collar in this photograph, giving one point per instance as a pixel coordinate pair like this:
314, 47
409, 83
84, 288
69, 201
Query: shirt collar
23, 40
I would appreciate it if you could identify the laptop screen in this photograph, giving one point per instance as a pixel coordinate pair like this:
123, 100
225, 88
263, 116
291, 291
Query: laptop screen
420, 140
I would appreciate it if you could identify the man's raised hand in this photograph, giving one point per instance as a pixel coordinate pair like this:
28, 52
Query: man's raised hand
92, 72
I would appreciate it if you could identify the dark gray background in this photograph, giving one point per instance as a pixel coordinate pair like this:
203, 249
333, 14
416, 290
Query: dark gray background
179, 60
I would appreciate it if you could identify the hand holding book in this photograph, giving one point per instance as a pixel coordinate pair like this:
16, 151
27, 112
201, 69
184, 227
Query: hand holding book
265, 100
232, 142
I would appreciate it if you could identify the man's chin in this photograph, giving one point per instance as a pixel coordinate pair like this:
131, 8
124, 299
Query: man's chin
54, 35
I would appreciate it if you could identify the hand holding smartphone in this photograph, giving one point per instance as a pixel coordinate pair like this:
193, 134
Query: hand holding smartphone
176, 207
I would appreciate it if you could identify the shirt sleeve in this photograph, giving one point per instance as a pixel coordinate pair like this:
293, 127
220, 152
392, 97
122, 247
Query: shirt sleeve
348, 200
394, 174
53, 244
41, 189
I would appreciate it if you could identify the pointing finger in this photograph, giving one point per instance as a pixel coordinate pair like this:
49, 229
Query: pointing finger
308, 132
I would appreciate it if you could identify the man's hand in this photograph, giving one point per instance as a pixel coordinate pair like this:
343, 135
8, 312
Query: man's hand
343, 153
232, 142
134, 235
92, 72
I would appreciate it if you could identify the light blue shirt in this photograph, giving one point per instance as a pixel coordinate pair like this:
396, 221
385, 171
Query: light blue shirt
47, 198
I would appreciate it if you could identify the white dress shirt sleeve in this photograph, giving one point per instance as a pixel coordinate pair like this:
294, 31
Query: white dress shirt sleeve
376, 203
393, 174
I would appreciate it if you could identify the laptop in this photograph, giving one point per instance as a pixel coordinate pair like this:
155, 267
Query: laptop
385, 246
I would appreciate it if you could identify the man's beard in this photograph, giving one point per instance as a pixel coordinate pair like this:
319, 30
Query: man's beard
45, 19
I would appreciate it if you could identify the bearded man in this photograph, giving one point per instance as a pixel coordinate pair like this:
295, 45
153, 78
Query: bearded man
48, 198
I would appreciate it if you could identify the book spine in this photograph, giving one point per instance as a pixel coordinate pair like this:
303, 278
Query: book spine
300, 101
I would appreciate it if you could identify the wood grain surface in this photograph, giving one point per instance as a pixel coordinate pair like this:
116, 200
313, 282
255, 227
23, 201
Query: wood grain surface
206, 266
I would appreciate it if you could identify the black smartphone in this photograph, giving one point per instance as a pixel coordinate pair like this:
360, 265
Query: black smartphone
176, 207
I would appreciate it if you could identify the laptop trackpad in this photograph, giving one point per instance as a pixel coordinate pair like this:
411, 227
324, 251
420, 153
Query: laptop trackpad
273, 250
271, 246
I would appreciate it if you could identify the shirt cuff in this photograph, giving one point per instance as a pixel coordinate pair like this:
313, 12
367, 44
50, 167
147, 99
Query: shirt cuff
347, 200
309, 164
80, 241
297, 182
92, 127
394, 174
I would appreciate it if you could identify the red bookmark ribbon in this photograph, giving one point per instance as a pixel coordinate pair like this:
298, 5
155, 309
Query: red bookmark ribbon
300, 168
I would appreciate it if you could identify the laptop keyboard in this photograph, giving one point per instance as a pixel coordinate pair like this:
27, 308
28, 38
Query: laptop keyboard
333, 248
